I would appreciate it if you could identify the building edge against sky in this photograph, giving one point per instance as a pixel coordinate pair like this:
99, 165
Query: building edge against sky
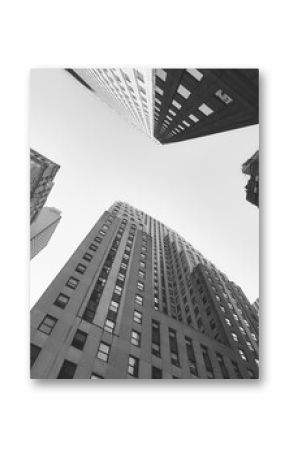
136, 300
43, 228
173, 105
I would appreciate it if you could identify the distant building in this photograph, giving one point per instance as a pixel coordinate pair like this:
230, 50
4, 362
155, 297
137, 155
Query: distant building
251, 168
172, 105
136, 300
42, 229
42, 173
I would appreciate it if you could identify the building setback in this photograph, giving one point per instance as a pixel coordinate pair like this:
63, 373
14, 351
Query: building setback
136, 300
42, 173
251, 168
172, 105
42, 229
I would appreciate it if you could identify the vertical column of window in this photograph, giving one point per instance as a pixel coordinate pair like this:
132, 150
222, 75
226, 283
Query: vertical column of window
156, 340
191, 357
112, 314
222, 366
173, 348
207, 362
236, 369
90, 311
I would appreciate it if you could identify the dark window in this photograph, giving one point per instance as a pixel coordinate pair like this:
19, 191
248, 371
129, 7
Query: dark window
133, 366
47, 324
156, 338
61, 301
67, 370
191, 356
173, 347
93, 247
34, 353
79, 339
237, 370
207, 362
223, 367
156, 373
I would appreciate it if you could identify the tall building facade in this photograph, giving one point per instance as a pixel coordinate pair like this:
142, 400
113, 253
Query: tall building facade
251, 168
136, 300
42, 229
192, 103
172, 105
128, 91
42, 173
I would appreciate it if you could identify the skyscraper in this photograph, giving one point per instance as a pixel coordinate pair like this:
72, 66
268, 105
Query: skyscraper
128, 91
136, 300
42, 173
251, 168
193, 103
172, 105
42, 229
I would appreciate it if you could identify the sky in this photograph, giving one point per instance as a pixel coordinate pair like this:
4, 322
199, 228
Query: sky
195, 187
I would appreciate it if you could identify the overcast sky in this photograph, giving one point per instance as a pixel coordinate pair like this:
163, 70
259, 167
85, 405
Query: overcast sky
194, 187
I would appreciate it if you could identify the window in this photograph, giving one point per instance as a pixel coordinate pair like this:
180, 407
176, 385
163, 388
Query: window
109, 325
228, 322
191, 356
141, 274
156, 341
176, 104
139, 300
93, 247
140, 285
72, 283
186, 123
47, 324
223, 367
185, 93
103, 351
137, 317
236, 370
171, 112
195, 73
173, 347
207, 362
161, 74
88, 257
242, 354
61, 301
67, 370
80, 268
205, 109
114, 306
251, 373
156, 373
133, 366
79, 339
223, 96
158, 90
34, 353
235, 337
135, 338
96, 376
